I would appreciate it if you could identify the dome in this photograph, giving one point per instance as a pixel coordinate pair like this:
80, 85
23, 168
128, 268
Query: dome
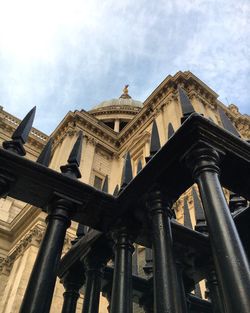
116, 113
120, 102
123, 101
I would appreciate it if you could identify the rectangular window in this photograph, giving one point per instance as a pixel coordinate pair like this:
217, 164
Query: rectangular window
98, 182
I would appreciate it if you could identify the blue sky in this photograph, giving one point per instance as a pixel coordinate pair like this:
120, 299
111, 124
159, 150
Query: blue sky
64, 55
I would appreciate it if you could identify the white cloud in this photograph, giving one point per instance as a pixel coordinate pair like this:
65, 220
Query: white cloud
62, 55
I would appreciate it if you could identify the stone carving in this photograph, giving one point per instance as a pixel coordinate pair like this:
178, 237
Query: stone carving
34, 236
234, 109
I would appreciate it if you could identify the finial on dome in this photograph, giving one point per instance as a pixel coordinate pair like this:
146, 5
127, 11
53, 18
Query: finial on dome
125, 94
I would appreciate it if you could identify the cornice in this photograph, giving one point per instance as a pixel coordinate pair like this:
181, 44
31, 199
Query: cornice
94, 130
241, 122
33, 237
121, 109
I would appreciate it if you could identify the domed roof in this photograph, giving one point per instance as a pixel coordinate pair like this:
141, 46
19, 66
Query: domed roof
123, 100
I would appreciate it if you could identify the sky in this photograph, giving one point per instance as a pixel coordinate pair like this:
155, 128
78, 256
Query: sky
63, 55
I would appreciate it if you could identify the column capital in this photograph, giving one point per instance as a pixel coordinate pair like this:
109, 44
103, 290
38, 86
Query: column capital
157, 202
203, 159
123, 238
61, 207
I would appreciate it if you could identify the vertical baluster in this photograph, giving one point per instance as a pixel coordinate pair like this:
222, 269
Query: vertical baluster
93, 271
230, 260
39, 292
154, 147
167, 296
147, 303
72, 282
121, 301
214, 291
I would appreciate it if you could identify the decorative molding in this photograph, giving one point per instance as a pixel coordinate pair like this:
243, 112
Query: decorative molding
33, 237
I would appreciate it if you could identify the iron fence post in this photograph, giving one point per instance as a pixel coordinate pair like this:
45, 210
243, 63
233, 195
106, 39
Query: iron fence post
121, 300
93, 272
167, 296
230, 260
72, 283
39, 292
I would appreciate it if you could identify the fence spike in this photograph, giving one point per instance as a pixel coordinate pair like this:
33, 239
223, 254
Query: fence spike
139, 167
170, 130
75, 155
22, 131
155, 140
227, 124
21, 134
105, 185
116, 191
127, 175
44, 157
186, 105
71, 169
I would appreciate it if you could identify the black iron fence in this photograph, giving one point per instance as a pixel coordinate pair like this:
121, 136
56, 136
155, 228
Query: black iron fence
217, 250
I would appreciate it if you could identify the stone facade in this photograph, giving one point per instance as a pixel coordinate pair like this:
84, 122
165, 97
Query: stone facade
110, 130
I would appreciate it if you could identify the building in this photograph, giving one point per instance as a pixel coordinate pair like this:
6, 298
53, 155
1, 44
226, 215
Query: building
110, 130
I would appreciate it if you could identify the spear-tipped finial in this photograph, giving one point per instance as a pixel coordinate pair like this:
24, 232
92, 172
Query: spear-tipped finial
227, 124
201, 224
22, 131
44, 157
21, 134
71, 169
139, 167
170, 130
187, 219
186, 105
116, 191
75, 155
105, 186
154, 142
127, 175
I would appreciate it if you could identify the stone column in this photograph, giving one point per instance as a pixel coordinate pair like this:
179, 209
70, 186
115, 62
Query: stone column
117, 125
